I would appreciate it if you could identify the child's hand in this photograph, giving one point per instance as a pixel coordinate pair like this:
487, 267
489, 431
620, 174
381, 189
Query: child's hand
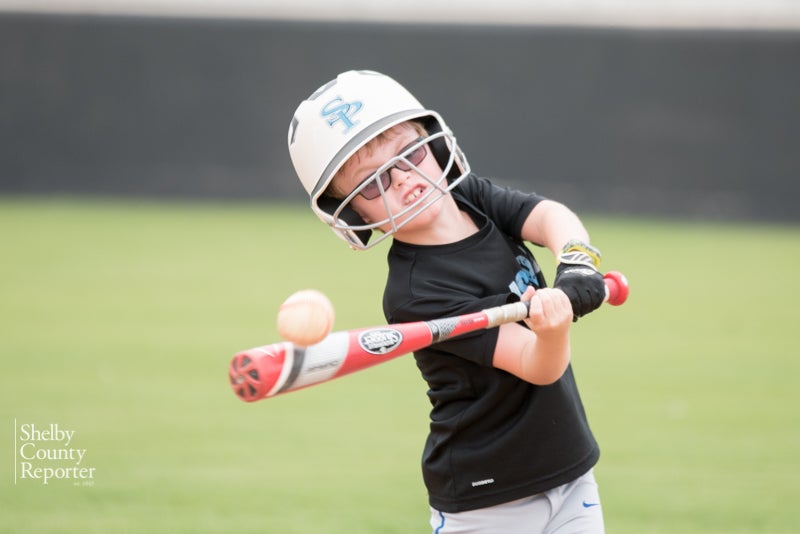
577, 275
583, 285
539, 355
550, 311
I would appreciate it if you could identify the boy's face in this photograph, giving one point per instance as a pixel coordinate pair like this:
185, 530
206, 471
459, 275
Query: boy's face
404, 186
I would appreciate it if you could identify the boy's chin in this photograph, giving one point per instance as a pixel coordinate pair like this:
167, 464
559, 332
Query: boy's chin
420, 223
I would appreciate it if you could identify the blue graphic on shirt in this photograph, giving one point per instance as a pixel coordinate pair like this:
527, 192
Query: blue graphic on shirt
525, 277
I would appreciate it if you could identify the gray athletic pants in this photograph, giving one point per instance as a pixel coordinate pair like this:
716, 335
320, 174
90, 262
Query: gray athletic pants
573, 508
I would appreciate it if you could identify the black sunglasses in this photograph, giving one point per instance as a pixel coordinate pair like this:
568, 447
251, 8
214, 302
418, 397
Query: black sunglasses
371, 191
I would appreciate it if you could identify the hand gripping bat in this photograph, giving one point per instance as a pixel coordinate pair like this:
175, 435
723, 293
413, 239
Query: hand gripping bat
270, 370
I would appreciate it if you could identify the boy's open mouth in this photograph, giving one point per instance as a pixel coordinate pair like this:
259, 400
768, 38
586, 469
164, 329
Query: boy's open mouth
414, 194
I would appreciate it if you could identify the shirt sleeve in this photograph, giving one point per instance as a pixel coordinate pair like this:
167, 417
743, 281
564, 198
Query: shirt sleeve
507, 208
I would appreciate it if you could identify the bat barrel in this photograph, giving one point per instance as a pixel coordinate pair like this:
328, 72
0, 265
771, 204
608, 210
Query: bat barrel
270, 370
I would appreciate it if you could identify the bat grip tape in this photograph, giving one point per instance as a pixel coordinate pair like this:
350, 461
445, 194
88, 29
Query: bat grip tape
507, 313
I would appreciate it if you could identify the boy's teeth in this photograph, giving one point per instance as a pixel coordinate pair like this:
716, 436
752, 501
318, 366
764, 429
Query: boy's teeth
413, 196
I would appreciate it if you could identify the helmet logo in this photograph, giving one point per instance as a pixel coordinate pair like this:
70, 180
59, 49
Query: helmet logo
337, 110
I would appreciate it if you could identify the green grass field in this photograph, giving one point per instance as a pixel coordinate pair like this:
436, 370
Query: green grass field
118, 319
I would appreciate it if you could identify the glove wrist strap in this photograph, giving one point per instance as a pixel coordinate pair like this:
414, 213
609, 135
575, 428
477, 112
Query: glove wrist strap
576, 252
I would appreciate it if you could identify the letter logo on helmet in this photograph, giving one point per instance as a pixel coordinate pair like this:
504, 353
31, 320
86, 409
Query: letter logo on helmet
342, 112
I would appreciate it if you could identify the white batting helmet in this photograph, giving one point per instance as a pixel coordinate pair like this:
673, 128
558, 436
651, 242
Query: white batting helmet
342, 116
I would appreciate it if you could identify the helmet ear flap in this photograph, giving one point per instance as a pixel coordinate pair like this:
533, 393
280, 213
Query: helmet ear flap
349, 216
440, 149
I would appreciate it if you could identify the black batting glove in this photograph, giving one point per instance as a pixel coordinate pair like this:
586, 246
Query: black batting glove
578, 277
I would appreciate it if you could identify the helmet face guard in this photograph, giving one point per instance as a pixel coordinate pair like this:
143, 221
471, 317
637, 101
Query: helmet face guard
393, 221
340, 118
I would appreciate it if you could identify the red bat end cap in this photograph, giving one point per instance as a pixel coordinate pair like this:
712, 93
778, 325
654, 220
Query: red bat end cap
618, 288
254, 372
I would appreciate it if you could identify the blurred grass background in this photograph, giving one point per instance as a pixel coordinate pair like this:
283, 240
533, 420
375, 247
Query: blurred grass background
118, 319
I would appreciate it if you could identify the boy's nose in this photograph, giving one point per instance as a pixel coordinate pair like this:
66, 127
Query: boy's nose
400, 176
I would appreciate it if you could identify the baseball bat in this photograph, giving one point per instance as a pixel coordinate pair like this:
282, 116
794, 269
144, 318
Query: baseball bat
270, 370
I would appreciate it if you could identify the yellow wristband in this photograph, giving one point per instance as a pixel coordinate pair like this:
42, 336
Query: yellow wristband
578, 252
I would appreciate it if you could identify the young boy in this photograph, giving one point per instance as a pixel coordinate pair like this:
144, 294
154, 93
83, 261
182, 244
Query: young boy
509, 448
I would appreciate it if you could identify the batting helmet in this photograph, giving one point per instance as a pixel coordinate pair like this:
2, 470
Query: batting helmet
341, 117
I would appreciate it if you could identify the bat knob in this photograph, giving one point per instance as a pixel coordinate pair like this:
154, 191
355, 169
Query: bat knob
617, 286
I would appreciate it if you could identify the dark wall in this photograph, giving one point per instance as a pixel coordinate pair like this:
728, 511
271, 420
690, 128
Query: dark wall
685, 123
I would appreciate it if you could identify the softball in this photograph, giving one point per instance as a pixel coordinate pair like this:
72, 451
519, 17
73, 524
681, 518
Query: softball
305, 318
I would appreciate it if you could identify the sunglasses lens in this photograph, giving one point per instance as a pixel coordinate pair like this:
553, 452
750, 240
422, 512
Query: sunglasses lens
386, 180
418, 155
371, 191
415, 157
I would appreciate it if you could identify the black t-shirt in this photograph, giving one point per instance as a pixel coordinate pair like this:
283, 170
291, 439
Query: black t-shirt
493, 437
